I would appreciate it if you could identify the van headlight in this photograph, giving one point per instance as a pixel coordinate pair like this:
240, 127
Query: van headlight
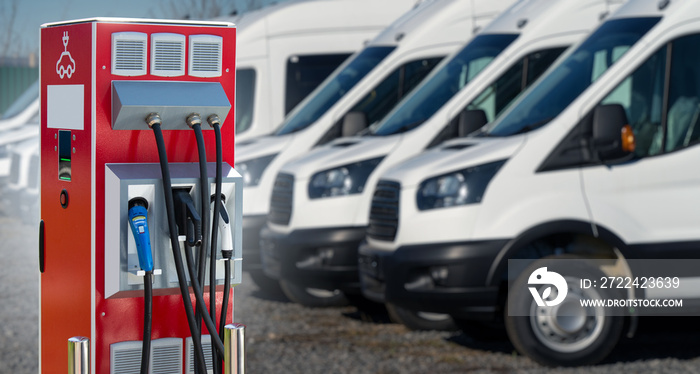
457, 188
252, 170
343, 180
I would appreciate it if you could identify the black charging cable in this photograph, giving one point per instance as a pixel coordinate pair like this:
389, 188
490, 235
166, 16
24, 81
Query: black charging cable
154, 121
215, 123
147, 320
194, 121
226, 254
196, 286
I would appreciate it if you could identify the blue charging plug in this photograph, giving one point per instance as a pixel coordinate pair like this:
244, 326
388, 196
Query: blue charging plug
138, 220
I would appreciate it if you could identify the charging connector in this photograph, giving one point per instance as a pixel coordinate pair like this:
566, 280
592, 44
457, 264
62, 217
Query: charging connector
138, 220
138, 213
188, 221
225, 230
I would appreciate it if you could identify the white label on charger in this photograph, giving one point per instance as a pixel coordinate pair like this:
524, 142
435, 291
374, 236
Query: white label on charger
65, 106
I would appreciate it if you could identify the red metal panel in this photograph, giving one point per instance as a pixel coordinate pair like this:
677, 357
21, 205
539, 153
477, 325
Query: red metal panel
65, 283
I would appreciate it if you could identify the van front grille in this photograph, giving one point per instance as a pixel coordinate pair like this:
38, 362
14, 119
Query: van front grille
281, 201
384, 212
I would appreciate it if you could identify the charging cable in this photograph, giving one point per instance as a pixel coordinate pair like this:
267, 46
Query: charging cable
154, 121
215, 122
138, 221
194, 121
227, 254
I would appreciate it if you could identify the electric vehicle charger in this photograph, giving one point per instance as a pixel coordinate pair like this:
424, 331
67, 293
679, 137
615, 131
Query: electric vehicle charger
95, 149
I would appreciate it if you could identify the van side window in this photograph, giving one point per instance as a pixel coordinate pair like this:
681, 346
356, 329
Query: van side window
498, 96
664, 114
245, 98
663, 122
305, 73
383, 97
682, 127
641, 94
502, 92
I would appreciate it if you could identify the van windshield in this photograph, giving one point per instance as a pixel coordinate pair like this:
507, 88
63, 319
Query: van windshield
334, 88
572, 76
444, 83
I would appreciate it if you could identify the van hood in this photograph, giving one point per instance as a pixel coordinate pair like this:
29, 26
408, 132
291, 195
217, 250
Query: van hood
453, 156
261, 146
341, 152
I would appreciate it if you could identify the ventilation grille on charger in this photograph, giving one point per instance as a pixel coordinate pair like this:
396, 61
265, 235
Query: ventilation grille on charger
168, 54
166, 357
206, 347
129, 53
205, 55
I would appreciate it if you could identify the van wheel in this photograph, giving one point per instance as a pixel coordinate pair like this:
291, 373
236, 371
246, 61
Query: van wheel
313, 297
268, 286
419, 321
566, 334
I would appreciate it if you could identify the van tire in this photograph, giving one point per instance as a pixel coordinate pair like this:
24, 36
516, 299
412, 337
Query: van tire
313, 298
420, 321
542, 339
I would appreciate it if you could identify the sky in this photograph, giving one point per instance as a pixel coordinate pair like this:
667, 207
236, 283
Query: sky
31, 14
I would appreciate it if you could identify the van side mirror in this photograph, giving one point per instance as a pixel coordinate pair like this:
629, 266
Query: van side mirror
612, 135
353, 122
470, 121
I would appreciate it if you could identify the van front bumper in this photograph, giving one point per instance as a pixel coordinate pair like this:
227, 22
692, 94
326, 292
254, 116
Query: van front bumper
315, 258
446, 278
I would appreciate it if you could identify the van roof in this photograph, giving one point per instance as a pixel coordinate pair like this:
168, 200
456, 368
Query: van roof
316, 16
433, 22
551, 17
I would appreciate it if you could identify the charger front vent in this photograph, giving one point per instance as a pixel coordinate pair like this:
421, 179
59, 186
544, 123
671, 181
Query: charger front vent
205, 55
166, 357
129, 51
206, 347
168, 55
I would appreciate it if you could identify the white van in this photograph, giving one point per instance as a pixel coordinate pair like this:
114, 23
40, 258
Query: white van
359, 93
594, 161
328, 191
284, 51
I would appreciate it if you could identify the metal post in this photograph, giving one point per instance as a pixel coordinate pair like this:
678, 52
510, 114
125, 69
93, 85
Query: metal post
234, 349
78, 355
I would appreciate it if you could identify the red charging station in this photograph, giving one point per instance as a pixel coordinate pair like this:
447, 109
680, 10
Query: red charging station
100, 80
